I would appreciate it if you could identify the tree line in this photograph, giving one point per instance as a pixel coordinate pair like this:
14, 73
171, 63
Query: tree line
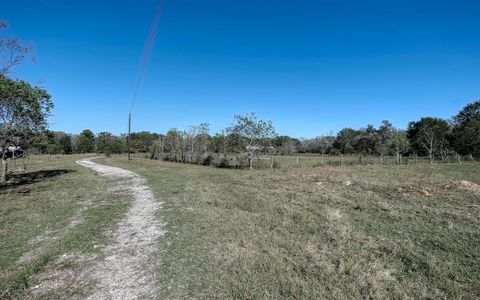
248, 136
434, 138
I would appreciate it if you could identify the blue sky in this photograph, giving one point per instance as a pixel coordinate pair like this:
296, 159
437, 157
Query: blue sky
309, 66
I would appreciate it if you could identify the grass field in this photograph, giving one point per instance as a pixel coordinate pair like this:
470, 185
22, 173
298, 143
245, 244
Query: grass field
309, 232
301, 231
56, 208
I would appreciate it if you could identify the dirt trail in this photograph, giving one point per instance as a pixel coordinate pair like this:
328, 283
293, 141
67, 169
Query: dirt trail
127, 271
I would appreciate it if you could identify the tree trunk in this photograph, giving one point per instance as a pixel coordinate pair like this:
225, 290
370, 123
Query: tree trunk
3, 177
250, 162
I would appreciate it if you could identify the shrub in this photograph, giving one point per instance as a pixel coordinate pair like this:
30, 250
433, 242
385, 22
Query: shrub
241, 161
207, 159
221, 161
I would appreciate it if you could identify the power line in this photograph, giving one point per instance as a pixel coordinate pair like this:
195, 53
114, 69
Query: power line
149, 43
147, 51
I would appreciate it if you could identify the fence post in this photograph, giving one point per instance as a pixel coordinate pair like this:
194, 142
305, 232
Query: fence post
297, 159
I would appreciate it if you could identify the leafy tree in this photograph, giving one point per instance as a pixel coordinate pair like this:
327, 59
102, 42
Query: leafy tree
196, 140
286, 145
397, 141
23, 112
465, 137
345, 140
234, 142
365, 142
142, 141
429, 136
159, 147
85, 142
63, 142
174, 144
383, 136
103, 141
255, 133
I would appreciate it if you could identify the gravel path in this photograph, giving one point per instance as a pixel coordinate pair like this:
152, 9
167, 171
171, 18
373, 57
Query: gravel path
128, 269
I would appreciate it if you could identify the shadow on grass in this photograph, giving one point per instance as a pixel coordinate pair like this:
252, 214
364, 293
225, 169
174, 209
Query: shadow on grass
16, 180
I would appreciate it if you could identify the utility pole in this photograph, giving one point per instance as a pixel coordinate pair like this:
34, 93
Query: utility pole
128, 137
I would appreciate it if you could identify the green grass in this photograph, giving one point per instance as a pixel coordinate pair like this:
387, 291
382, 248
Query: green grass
34, 216
301, 232
296, 232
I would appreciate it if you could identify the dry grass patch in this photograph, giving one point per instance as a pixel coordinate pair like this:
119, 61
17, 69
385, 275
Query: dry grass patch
63, 213
393, 232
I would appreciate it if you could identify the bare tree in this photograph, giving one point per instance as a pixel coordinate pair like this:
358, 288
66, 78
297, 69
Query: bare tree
189, 136
383, 135
196, 140
174, 142
12, 52
398, 142
324, 144
254, 134
430, 135
159, 147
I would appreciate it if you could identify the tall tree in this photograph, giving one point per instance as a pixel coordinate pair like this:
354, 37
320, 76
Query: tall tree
142, 141
365, 141
465, 137
398, 142
23, 112
103, 141
383, 135
429, 136
285, 145
174, 143
345, 140
85, 142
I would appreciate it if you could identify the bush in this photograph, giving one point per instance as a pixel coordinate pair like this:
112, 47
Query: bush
241, 161
276, 164
207, 159
107, 152
221, 161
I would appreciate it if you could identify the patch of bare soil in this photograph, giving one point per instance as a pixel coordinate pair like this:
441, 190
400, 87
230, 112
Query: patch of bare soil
470, 186
126, 268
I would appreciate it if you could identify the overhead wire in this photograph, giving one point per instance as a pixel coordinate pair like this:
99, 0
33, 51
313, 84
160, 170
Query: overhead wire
147, 51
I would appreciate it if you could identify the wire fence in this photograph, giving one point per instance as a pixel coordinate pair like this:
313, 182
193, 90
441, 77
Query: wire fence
346, 160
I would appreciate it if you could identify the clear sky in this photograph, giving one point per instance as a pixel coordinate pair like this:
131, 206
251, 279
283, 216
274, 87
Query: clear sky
309, 66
